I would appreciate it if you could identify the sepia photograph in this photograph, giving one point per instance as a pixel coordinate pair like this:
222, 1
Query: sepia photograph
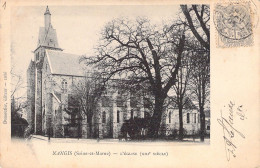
129, 77
129, 84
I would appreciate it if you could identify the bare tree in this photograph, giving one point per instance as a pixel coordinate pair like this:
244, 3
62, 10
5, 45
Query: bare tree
198, 17
17, 96
200, 81
181, 87
88, 93
18, 103
136, 49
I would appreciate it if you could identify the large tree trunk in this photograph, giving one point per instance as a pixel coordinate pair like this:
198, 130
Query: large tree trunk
180, 124
156, 118
202, 124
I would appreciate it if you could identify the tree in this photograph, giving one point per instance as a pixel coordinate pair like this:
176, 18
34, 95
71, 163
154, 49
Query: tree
83, 100
136, 49
181, 87
18, 103
200, 78
74, 112
17, 95
197, 17
88, 92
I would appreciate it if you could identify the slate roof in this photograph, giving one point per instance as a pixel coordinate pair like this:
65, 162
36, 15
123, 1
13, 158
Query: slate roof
64, 64
48, 37
187, 105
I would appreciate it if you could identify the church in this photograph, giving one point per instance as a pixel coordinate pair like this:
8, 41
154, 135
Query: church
51, 78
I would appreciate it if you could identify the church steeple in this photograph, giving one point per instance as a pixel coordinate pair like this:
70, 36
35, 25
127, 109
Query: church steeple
47, 34
47, 11
47, 18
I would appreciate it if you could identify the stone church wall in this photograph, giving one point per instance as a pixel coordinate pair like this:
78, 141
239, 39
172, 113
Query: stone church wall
169, 125
31, 95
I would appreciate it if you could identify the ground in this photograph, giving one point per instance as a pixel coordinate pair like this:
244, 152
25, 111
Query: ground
43, 139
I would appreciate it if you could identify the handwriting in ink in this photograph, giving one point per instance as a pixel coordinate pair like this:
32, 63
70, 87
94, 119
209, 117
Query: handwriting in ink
4, 5
229, 130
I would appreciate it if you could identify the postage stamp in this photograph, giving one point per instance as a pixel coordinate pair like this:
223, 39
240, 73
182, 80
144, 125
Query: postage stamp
234, 26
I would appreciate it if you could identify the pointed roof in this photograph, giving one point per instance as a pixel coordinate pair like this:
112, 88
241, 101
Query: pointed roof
48, 38
64, 64
188, 104
47, 11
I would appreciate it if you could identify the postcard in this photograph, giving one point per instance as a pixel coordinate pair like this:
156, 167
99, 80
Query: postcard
129, 83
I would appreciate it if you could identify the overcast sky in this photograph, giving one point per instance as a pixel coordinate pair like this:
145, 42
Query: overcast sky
78, 27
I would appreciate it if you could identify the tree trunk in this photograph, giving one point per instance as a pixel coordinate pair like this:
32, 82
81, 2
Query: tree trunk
180, 124
202, 124
89, 119
79, 129
156, 118
90, 129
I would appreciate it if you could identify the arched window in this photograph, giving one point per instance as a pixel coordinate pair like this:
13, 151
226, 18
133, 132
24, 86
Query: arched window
132, 114
195, 118
188, 117
170, 117
64, 86
37, 56
104, 117
118, 116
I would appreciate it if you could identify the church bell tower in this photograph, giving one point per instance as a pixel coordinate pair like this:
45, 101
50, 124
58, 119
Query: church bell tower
47, 40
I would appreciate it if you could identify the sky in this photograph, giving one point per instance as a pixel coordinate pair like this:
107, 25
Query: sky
78, 27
